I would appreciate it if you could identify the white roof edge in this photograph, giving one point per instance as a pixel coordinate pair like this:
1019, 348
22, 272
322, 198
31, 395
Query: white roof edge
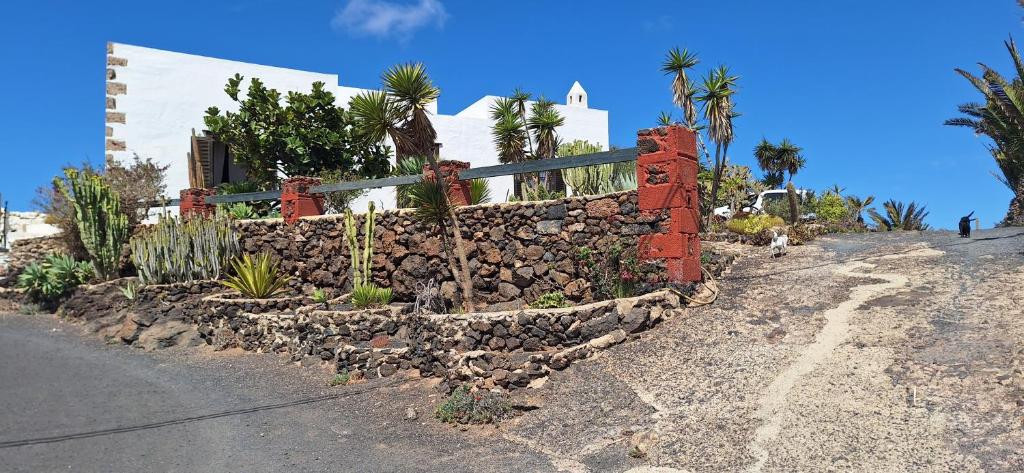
165, 51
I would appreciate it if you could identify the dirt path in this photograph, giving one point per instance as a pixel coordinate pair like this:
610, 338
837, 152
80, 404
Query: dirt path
835, 332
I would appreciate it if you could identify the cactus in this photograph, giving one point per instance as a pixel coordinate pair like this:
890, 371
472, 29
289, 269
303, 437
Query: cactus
361, 260
102, 225
794, 215
178, 250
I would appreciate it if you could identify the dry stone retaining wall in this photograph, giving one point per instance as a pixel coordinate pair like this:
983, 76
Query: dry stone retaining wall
517, 252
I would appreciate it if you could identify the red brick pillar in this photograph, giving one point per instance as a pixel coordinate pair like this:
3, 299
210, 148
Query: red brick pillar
297, 201
458, 190
193, 202
666, 172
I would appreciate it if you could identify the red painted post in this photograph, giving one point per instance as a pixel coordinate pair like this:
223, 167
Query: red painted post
193, 202
297, 201
666, 171
458, 189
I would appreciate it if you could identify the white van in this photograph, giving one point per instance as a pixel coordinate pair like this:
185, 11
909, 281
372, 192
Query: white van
756, 202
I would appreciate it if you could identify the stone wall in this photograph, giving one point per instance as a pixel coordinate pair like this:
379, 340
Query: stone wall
25, 252
517, 251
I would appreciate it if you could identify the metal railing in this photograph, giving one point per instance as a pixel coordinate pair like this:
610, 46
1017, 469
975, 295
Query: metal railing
603, 157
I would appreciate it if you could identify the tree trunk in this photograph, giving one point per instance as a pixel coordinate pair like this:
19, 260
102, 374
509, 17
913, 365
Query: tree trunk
460, 248
716, 179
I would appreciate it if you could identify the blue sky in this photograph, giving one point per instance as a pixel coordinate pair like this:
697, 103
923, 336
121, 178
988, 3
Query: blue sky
863, 86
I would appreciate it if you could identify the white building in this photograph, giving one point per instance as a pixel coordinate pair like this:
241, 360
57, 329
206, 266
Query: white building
156, 99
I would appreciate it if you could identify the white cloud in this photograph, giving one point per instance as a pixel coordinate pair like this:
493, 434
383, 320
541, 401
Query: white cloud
384, 19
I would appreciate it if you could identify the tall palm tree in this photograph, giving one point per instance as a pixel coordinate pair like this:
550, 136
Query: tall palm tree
1001, 118
790, 158
543, 122
676, 63
899, 216
716, 96
400, 111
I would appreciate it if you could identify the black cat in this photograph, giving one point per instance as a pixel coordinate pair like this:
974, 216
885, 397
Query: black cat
965, 226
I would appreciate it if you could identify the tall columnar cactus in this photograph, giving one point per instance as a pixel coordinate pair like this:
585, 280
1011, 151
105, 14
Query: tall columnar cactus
101, 223
361, 260
794, 215
179, 250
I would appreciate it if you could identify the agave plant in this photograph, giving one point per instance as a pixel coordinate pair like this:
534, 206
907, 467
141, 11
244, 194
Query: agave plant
256, 278
54, 277
899, 216
371, 295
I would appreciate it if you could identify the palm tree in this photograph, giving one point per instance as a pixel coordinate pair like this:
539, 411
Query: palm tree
899, 216
716, 95
835, 189
857, 206
1001, 118
790, 159
510, 135
400, 111
543, 122
767, 156
677, 62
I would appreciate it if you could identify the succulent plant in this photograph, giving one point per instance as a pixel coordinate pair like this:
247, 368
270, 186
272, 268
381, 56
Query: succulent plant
179, 250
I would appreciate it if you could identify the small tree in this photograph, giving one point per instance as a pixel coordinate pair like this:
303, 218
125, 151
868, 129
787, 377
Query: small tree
305, 136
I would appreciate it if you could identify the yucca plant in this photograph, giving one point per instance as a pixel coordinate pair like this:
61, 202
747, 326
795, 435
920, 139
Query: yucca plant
256, 278
371, 295
899, 216
400, 112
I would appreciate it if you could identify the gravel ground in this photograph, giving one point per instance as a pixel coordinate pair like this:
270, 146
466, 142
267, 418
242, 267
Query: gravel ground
867, 352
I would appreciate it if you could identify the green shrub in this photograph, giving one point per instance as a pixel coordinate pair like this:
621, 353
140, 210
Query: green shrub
179, 250
480, 407
54, 277
754, 224
613, 272
339, 379
256, 278
370, 295
551, 300
832, 208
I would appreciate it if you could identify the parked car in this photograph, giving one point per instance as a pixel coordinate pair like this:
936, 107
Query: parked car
755, 203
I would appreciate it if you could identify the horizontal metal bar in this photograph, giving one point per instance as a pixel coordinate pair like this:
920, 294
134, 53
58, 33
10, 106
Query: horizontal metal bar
367, 184
246, 197
604, 157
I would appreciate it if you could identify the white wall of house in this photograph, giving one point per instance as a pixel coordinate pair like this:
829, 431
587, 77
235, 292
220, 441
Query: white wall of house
166, 95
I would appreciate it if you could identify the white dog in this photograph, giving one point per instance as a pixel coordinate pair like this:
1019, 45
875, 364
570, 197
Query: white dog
779, 244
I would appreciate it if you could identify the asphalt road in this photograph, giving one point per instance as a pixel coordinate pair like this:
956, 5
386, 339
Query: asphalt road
70, 403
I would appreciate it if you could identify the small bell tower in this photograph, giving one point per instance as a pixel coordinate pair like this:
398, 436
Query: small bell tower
577, 96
